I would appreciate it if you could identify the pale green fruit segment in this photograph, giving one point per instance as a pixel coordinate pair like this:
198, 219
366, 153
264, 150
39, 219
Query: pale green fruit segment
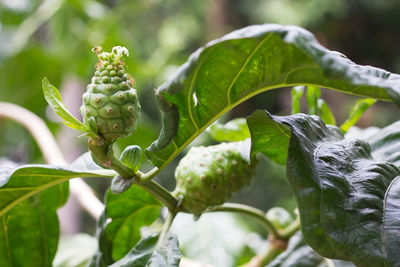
111, 99
208, 176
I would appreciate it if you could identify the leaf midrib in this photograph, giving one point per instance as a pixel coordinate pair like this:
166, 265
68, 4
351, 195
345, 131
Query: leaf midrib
41, 188
226, 109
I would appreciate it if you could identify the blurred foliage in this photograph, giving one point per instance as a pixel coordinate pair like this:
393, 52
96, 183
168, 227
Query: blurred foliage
54, 38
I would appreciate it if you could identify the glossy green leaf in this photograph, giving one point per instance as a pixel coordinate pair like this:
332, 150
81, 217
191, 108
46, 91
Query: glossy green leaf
29, 231
129, 211
312, 95
325, 112
297, 254
347, 200
268, 137
385, 144
232, 131
356, 112
29, 198
145, 253
244, 63
53, 98
24, 182
297, 94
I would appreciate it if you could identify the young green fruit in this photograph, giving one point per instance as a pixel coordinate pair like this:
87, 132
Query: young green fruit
110, 105
208, 176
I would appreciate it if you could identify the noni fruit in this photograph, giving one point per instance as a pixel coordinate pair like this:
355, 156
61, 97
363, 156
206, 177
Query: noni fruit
110, 105
208, 176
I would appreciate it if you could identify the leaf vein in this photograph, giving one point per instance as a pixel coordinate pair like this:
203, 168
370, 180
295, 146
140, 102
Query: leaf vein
228, 93
5, 229
189, 100
296, 69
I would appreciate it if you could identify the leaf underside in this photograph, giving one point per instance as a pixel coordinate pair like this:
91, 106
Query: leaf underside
246, 62
348, 200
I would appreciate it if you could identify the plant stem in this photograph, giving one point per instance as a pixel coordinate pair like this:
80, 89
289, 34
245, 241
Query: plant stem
264, 258
290, 230
251, 211
145, 177
164, 231
271, 253
121, 168
162, 194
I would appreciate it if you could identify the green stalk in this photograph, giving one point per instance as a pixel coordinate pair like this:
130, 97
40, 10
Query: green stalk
121, 168
102, 153
162, 194
290, 230
164, 231
272, 252
251, 211
145, 177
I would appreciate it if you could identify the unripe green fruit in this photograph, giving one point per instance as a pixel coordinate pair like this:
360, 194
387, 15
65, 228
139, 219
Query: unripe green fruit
110, 98
208, 176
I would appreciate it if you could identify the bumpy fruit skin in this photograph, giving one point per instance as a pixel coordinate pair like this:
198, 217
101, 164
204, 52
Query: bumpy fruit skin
110, 98
208, 176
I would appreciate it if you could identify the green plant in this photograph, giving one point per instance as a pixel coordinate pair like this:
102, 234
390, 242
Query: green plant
346, 188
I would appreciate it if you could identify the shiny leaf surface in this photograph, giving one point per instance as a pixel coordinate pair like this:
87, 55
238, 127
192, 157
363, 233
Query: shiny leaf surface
29, 198
229, 70
347, 200
129, 211
268, 137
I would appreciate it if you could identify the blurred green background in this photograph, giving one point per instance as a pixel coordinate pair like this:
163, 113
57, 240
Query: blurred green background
54, 38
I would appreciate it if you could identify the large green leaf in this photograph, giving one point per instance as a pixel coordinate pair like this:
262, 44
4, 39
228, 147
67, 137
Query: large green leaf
128, 212
246, 62
348, 201
146, 253
385, 144
268, 137
29, 198
24, 182
29, 231
232, 131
